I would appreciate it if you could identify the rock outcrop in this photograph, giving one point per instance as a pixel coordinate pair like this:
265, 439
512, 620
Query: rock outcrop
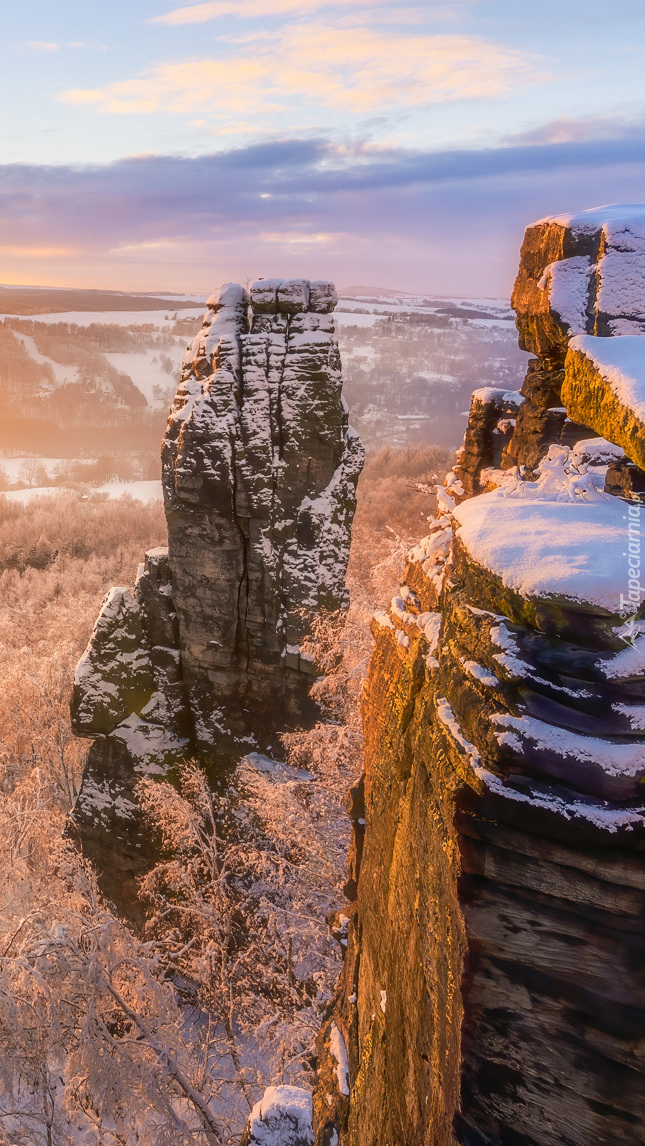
493, 992
259, 474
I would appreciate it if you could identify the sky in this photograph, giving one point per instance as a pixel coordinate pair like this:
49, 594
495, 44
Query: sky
146, 145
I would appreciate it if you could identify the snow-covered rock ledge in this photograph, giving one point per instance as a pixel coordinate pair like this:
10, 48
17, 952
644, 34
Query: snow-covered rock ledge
498, 876
604, 387
559, 537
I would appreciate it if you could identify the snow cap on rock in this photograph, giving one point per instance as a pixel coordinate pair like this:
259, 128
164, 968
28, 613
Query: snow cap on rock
230, 294
264, 295
322, 297
293, 296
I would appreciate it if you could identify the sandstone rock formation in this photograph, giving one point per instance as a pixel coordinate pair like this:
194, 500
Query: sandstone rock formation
493, 992
581, 274
604, 382
259, 473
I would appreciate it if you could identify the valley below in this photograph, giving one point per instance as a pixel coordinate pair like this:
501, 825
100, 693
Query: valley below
321, 736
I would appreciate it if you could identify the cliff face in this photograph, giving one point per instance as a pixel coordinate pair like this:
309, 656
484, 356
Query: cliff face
259, 473
493, 992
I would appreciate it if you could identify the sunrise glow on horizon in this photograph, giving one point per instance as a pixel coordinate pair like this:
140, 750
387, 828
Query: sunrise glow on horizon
152, 146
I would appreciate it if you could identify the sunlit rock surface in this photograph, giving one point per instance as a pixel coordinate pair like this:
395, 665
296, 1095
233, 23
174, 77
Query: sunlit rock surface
493, 993
604, 383
259, 472
581, 274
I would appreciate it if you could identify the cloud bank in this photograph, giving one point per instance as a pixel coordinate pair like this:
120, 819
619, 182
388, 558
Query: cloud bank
254, 9
348, 70
448, 222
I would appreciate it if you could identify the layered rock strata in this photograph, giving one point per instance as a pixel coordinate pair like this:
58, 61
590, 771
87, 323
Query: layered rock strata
493, 993
259, 476
580, 281
259, 471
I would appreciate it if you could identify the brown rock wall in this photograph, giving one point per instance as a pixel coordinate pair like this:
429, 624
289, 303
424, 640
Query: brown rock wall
500, 899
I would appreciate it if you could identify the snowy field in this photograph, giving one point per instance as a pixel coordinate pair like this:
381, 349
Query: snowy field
146, 371
162, 319
479, 312
405, 380
62, 374
144, 491
350, 318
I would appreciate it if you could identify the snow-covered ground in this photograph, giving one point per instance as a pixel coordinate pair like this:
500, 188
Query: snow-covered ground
62, 374
350, 318
405, 303
482, 312
140, 490
158, 318
146, 371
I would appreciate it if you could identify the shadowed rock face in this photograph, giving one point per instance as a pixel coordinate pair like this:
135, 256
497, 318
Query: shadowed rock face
493, 991
259, 472
259, 475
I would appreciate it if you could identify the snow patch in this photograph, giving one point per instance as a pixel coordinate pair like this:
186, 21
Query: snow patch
558, 537
384, 620
495, 394
635, 713
339, 1050
626, 759
621, 362
600, 814
449, 721
595, 452
629, 662
594, 217
479, 673
431, 629
282, 1117
567, 282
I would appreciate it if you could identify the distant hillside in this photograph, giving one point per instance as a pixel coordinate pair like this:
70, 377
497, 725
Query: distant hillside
49, 300
375, 292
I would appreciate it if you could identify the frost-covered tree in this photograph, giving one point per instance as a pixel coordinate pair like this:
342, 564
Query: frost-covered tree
111, 1038
239, 908
92, 1035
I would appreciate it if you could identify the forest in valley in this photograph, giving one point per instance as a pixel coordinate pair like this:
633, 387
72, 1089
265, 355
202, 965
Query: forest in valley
79, 385
168, 1031
167, 1028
